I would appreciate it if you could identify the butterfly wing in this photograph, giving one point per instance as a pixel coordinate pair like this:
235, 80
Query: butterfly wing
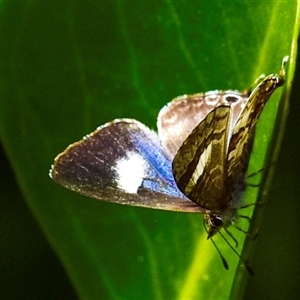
178, 118
199, 166
241, 141
122, 162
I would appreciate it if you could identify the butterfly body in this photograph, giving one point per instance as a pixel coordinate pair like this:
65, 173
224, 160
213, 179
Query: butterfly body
196, 163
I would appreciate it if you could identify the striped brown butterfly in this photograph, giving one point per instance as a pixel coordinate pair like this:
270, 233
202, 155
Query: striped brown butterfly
210, 164
196, 163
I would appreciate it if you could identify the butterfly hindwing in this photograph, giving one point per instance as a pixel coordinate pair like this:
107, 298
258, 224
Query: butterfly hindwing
122, 162
177, 119
199, 166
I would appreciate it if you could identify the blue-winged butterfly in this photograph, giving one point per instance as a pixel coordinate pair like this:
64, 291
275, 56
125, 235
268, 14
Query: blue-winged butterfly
197, 161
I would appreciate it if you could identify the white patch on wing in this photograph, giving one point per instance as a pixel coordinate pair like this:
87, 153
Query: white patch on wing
199, 168
201, 163
131, 171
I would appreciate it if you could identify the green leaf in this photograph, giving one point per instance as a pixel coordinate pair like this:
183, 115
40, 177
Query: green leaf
69, 67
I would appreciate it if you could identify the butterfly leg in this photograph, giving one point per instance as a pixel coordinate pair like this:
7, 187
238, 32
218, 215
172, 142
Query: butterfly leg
244, 261
232, 237
261, 170
245, 217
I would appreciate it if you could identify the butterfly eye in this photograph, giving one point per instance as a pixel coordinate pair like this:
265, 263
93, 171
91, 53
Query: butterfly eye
215, 221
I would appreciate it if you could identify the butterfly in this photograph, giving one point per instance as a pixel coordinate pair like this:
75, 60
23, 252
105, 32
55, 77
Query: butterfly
197, 162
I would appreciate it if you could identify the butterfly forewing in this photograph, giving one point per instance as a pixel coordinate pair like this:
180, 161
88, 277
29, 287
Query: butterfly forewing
241, 141
122, 162
199, 166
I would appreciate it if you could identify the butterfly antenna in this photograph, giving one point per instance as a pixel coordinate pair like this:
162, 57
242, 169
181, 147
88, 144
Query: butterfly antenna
224, 262
250, 271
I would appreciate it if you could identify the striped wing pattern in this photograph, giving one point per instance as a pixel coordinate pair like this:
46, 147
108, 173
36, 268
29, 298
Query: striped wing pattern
201, 153
211, 164
199, 166
241, 141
